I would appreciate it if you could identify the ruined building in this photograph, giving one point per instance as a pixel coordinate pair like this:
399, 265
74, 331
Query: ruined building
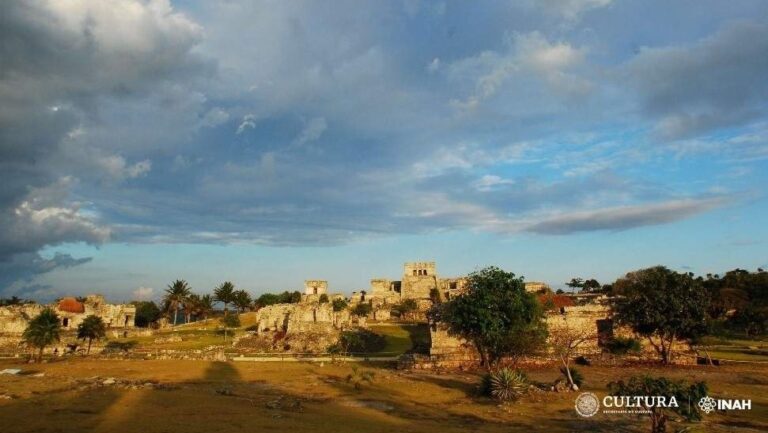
71, 311
419, 282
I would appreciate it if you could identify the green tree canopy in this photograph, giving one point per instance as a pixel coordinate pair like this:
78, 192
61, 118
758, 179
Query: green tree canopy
496, 315
224, 293
176, 295
92, 328
663, 306
242, 300
339, 304
43, 331
147, 312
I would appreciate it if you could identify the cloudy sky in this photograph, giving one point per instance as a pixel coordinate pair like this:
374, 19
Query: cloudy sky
266, 142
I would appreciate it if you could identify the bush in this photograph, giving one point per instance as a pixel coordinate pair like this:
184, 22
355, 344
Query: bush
578, 378
339, 304
230, 321
120, 346
622, 346
505, 384
252, 328
362, 309
360, 341
147, 313
323, 298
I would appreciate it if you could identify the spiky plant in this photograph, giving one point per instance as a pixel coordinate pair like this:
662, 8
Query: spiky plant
358, 377
505, 384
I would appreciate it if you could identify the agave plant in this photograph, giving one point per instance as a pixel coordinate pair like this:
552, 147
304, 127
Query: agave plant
506, 384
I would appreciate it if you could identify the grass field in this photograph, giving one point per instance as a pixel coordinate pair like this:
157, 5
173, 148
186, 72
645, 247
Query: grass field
200, 396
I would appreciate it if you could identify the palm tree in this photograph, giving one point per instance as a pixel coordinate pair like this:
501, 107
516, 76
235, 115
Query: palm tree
42, 331
242, 300
176, 296
225, 294
206, 306
192, 306
92, 328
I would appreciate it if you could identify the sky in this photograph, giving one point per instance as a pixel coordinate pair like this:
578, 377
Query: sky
268, 142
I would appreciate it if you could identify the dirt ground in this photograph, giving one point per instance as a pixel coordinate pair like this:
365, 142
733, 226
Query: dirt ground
200, 396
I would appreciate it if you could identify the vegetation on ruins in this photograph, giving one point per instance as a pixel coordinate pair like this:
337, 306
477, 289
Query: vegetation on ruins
176, 295
43, 331
663, 306
362, 309
339, 304
496, 315
147, 313
91, 328
406, 308
323, 299
224, 293
505, 384
565, 339
242, 300
683, 392
286, 297
14, 300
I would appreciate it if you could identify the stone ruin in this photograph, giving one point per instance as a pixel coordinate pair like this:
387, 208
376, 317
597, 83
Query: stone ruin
71, 311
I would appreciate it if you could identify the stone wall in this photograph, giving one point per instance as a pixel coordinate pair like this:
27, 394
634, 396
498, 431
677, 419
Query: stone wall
15, 318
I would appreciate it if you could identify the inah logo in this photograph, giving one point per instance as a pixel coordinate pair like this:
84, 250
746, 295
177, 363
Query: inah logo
707, 404
587, 404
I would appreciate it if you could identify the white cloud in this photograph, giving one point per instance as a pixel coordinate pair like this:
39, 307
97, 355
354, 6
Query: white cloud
312, 131
143, 294
215, 117
248, 122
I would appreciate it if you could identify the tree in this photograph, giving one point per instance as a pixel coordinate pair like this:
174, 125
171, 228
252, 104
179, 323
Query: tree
575, 283
407, 307
362, 309
590, 285
205, 307
267, 299
175, 296
147, 313
339, 304
323, 299
92, 328
565, 339
43, 331
685, 394
229, 322
496, 315
242, 300
663, 306
225, 294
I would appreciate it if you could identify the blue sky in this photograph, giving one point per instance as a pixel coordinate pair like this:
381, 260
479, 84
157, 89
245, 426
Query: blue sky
268, 142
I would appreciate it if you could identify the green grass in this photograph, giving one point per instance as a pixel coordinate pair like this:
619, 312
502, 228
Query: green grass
192, 339
401, 337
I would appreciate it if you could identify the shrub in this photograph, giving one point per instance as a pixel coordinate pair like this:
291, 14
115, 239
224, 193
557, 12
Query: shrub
505, 384
120, 346
252, 328
362, 309
323, 298
578, 378
361, 341
622, 346
339, 304
357, 377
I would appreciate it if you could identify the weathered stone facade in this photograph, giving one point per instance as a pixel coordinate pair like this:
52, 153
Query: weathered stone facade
15, 318
419, 282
